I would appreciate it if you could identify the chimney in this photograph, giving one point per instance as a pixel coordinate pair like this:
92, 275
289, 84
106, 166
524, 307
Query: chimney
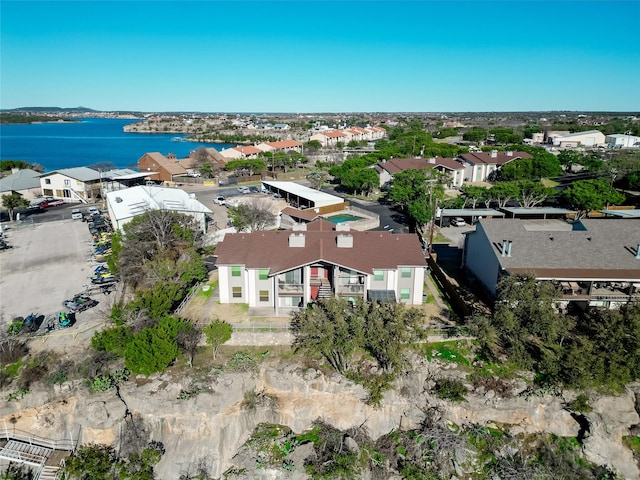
509, 249
432, 161
509, 153
296, 240
343, 227
504, 248
299, 227
494, 154
638, 251
345, 240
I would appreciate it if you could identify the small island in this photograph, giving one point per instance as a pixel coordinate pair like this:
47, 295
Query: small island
17, 118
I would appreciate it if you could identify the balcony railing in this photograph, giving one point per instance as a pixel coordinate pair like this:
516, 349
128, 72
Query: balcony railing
290, 288
351, 289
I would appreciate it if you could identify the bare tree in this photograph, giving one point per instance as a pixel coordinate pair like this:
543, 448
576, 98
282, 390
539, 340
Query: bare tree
188, 341
253, 215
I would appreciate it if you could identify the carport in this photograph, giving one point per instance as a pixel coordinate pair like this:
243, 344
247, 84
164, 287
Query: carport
467, 213
301, 196
538, 212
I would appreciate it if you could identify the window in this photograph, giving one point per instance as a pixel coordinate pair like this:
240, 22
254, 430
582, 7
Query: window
293, 277
47, 181
405, 294
67, 182
406, 272
264, 295
237, 292
236, 271
264, 274
378, 275
47, 192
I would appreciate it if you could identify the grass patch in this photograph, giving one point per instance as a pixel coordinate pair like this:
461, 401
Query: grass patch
633, 443
13, 368
207, 294
453, 351
549, 183
438, 237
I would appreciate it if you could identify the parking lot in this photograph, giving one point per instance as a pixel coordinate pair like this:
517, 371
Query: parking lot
47, 264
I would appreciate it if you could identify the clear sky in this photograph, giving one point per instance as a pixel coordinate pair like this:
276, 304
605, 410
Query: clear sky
321, 56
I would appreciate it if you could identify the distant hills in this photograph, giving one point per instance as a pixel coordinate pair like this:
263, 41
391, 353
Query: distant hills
52, 109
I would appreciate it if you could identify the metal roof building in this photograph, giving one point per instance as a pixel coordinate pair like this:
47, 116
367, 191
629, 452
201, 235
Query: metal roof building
303, 196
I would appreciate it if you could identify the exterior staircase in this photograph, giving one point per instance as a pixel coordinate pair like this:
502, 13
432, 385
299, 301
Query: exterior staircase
49, 472
325, 291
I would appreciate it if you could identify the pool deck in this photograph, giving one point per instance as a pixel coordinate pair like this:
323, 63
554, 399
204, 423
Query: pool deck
365, 222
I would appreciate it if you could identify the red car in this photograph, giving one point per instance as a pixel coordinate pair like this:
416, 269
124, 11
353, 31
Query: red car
52, 203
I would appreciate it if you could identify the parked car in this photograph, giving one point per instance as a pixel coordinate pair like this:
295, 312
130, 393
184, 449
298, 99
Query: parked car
458, 222
244, 190
52, 203
193, 174
254, 190
219, 200
93, 211
76, 214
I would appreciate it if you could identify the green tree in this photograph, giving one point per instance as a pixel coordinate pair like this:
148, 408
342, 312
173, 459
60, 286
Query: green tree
475, 134
217, 333
568, 158
363, 180
317, 179
530, 194
312, 146
246, 166
587, 195
473, 194
328, 328
389, 328
502, 192
415, 192
524, 326
13, 201
93, 462
153, 349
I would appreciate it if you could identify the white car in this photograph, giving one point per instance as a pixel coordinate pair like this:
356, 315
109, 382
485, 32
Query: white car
76, 214
458, 222
93, 211
219, 200
244, 190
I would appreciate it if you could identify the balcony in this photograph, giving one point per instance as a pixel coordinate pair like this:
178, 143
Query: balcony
290, 289
351, 289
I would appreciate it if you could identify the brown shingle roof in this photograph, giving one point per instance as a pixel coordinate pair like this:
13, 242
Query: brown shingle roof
270, 249
171, 165
248, 150
501, 158
396, 165
333, 134
307, 215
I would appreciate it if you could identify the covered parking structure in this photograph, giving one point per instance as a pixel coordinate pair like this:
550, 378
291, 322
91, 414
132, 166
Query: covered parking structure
472, 214
630, 213
304, 197
538, 212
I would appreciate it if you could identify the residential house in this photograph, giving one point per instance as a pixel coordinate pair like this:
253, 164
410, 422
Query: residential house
480, 165
213, 156
594, 262
124, 205
240, 152
388, 168
24, 182
280, 146
286, 270
330, 138
161, 168
78, 184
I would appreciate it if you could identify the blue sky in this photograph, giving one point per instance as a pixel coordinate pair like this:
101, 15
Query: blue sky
321, 56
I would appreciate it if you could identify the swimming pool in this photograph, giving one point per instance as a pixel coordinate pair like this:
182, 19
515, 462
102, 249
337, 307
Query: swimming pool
343, 217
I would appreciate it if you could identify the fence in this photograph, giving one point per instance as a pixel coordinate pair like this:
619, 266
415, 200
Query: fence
364, 212
458, 304
12, 433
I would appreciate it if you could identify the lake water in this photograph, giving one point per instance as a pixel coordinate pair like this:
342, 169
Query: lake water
93, 140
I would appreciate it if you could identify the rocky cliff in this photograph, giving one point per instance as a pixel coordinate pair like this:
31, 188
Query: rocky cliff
212, 426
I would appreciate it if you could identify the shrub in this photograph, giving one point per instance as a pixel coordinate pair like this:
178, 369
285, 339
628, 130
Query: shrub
450, 389
580, 404
242, 362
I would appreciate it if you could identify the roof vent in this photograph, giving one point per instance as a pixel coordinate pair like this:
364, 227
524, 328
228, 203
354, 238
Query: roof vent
118, 200
296, 240
344, 240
